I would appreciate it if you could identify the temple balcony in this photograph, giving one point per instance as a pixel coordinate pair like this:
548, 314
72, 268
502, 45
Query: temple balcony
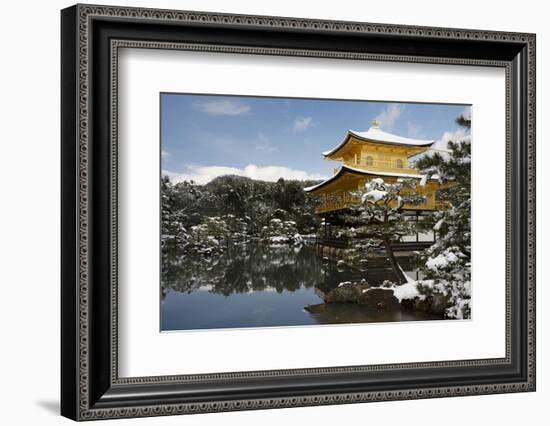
393, 166
345, 200
332, 203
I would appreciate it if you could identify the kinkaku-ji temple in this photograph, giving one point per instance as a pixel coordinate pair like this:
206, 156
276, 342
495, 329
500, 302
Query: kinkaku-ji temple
366, 155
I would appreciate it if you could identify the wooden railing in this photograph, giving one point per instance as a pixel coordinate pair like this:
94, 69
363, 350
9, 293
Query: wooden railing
384, 166
337, 203
333, 203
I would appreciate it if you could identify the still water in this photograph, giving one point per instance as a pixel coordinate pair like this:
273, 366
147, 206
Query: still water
257, 286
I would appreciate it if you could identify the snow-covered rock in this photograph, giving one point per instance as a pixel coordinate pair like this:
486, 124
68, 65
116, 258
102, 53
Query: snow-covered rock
379, 298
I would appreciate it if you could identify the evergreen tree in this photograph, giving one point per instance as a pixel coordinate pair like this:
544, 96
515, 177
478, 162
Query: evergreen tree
173, 229
379, 216
244, 206
447, 265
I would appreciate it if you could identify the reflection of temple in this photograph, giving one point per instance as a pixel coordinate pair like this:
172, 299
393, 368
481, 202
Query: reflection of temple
367, 155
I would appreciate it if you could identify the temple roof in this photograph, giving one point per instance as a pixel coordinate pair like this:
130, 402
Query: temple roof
375, 134
363, 172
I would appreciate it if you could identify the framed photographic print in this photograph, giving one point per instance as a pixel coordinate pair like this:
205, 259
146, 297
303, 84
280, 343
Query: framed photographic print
263, 212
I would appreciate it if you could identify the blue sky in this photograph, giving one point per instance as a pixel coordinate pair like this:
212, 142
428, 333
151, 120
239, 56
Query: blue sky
204, 136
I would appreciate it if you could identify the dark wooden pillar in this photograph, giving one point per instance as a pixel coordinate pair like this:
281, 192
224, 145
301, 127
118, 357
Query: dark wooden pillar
417, 214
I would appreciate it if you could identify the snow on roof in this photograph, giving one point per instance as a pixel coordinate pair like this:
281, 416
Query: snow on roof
377, 135
346, 168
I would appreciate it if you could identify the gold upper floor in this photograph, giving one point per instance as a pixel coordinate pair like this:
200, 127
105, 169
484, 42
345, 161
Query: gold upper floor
374, 163
376, 157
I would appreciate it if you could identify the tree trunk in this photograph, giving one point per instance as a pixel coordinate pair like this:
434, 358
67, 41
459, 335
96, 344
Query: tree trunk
395, 266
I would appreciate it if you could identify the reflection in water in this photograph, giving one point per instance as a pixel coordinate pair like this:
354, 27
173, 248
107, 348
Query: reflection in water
348, 313
242, 269
255, 285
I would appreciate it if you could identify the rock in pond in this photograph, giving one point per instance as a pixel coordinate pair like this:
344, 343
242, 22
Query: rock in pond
346, 292
360, 293
436, 304
379, 298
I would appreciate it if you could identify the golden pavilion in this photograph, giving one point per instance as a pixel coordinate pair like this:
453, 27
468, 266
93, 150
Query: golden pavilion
372, 154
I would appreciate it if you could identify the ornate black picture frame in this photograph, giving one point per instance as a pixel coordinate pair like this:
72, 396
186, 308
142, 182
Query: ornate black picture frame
91, 36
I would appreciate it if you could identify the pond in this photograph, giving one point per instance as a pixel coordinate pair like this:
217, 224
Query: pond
257, 285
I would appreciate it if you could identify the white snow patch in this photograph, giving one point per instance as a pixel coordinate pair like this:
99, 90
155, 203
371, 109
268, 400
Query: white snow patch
442, 260
438, 225
278, 239
406, 291
378, 181
374, 195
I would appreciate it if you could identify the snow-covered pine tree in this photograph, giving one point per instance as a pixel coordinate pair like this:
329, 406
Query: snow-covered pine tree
447, 265
173, 231
379, 216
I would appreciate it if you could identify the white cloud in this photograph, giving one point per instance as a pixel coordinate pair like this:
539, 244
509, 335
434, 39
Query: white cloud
301, 124
459, 135
264, 145
467, 113
440, 145
164, 154
389, 116
223, 107
414, 131
204, 174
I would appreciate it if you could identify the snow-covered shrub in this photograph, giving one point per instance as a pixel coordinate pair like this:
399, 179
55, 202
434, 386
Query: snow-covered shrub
281, 232
210, 236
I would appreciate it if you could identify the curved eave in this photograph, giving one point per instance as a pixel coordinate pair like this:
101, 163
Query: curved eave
361, 172
418, 143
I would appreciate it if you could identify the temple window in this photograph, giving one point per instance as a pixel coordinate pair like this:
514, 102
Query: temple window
399, 163
368, 161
